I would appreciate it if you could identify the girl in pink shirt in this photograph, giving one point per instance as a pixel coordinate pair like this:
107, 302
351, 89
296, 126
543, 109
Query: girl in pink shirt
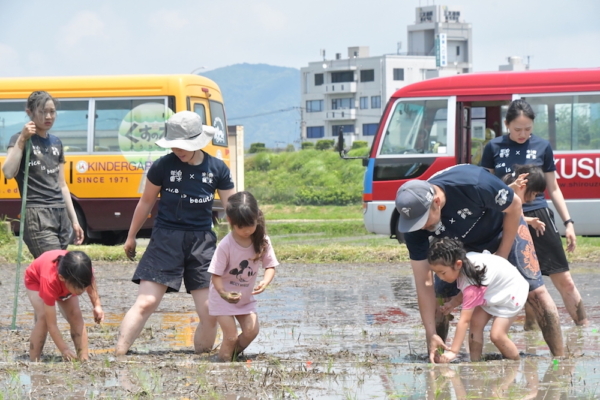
60, 276
234, 268
490, 287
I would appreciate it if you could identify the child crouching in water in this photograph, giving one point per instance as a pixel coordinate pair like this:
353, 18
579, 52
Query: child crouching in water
490, 287
234, 269
528, 181
61, 275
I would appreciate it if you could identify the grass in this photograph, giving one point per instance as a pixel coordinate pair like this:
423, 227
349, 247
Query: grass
287, 212
304, 234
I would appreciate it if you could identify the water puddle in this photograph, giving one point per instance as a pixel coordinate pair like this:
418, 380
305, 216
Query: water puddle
327, 332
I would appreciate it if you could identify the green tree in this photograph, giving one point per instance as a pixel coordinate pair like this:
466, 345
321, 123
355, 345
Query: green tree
256, 148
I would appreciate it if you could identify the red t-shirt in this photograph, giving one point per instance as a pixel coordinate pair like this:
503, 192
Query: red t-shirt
42, 276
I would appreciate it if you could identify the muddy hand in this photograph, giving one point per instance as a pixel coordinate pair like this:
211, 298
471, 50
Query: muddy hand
231, 297
129, 248
28, 130
69, 355
259, 288
98, 314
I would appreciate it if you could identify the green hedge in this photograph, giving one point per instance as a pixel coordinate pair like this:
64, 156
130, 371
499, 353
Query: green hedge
308, 177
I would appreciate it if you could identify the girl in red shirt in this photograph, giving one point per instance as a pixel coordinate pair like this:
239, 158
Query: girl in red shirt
61, 275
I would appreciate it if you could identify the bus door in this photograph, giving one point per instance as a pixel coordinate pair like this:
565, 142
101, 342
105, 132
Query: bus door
463, 132
479, 120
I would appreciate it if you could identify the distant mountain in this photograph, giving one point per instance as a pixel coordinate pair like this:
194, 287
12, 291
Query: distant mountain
265, 99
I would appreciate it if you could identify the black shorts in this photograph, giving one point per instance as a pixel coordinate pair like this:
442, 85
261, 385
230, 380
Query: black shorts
175, 255
549, 246
46, 229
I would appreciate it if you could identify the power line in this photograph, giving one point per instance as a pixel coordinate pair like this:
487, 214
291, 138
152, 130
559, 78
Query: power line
301, 109
266, 113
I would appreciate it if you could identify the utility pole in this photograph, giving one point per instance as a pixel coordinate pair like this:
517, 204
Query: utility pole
301, 123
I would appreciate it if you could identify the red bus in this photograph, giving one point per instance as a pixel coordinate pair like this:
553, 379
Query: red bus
437, 123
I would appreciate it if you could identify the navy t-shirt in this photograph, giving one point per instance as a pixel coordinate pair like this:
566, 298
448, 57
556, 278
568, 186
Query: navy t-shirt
187, 191
473, 213
501, 154
45, 157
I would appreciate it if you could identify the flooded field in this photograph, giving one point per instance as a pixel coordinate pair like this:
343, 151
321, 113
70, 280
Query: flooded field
333, 331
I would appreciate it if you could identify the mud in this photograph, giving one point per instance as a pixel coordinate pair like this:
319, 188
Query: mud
327, 332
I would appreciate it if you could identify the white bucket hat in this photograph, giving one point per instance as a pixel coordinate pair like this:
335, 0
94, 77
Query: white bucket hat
184, 130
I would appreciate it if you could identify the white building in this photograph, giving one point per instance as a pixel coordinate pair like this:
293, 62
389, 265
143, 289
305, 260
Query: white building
349, 94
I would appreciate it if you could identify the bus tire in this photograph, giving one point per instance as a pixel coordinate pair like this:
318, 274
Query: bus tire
399, 236
113, 238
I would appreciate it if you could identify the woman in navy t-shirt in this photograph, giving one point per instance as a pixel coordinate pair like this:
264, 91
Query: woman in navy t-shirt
522, 147
182, 243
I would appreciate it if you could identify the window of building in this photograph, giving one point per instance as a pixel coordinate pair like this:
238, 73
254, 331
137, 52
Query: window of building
342, 104
315, 132
375, 101
369, 129
335, 129
319, 79
458, 50
342, 76
398, 74
367, 75
364, 102
314, 105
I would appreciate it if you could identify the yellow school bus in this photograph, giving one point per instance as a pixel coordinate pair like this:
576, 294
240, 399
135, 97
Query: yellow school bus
108, 126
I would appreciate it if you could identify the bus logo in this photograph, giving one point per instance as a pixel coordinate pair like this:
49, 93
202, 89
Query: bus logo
82, 166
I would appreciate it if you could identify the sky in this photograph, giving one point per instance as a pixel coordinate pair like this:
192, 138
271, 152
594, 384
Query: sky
111, 37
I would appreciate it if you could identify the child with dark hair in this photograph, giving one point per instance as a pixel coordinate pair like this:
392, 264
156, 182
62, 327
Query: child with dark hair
234, 270
490, 287
528, 181
60, 275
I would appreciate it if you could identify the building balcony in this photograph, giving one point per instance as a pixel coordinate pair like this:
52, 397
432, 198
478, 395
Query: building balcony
340, 88
345, 114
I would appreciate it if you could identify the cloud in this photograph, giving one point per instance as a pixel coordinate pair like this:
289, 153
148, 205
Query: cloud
83, 25
9, 60
168, 19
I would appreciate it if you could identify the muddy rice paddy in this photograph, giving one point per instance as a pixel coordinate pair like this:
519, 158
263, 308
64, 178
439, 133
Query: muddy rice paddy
327, 332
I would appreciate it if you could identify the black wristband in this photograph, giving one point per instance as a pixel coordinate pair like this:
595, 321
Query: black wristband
569, 220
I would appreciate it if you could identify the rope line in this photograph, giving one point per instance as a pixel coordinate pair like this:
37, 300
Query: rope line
21, 232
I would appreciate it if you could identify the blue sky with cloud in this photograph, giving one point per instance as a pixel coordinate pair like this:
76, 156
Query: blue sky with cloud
82, 37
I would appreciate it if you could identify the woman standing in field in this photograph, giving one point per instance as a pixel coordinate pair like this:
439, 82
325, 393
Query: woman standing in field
234, 270
49, 216
182, 243
59, 277
520, 146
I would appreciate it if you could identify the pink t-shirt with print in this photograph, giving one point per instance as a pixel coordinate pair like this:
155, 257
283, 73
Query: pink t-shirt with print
238, 273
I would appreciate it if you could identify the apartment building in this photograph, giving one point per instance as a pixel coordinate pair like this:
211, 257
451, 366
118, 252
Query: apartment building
348, 93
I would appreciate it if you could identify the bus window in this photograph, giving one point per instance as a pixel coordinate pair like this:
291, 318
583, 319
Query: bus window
217, 114
417, 126
109, 116
71, 125
569, 123
201, 111
12, 119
